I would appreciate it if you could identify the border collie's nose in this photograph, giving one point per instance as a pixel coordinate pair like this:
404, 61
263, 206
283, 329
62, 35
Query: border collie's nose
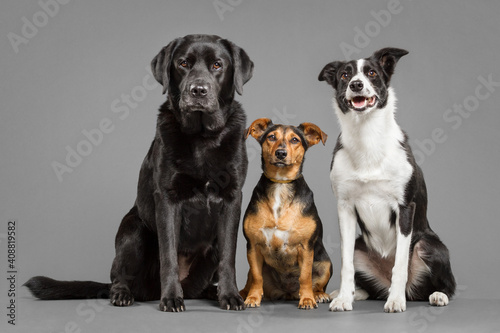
198, 90
280, 154
356, 85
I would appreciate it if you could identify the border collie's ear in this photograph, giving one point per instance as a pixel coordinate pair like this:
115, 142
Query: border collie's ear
258, 128
329, 73
243, 66
387, 58
313, 134
160, 65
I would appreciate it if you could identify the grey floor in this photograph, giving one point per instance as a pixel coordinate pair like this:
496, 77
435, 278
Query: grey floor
462, 315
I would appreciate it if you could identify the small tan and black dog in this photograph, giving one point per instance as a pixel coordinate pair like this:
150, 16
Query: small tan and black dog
281, 225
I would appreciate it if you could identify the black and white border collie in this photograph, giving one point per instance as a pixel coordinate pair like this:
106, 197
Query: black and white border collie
379, 186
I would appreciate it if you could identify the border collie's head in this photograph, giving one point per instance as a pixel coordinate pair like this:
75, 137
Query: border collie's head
362, 85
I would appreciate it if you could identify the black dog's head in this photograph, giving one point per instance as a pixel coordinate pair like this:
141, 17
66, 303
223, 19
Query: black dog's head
362, 85
284, 146
200, 74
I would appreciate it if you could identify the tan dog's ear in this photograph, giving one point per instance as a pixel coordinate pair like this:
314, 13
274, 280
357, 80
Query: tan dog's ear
258, 128
313, 134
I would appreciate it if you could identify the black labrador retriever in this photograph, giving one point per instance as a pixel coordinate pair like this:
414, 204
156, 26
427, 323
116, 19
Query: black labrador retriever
179, 239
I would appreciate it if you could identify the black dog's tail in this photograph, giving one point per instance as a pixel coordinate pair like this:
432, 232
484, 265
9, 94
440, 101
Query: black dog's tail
46, 288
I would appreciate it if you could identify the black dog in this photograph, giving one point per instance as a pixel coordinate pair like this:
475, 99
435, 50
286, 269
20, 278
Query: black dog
179, 239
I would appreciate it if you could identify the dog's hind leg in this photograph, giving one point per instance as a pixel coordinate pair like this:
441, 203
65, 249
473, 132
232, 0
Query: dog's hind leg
131, 262
430, 269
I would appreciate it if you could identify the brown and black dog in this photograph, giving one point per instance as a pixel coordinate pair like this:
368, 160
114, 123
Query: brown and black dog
283, 230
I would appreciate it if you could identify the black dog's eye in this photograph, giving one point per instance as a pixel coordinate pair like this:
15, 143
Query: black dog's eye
271, 137
183, 64
372, 73
344, 76
294, 140
217, 65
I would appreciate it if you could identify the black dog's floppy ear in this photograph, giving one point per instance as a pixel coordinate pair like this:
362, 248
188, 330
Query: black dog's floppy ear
160, 65
313, 134
258, 128
329, 73
387, 59
243, 66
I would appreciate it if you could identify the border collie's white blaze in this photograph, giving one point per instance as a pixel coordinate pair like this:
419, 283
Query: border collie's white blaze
379, 186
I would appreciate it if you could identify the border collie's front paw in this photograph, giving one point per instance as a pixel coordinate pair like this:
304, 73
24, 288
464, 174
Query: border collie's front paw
395, 305
341, 304
172, 304
232, 302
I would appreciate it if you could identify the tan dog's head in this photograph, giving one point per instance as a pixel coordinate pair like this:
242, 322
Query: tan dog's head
284, 146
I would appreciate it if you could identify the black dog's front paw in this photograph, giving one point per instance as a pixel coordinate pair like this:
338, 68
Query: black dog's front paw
172, 304
232, 302
121, 297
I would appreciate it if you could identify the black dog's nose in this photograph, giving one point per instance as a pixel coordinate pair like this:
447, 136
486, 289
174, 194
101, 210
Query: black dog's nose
280, 154
356, 85
199, 90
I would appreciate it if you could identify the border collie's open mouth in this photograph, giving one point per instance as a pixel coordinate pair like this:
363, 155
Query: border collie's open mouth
360, 103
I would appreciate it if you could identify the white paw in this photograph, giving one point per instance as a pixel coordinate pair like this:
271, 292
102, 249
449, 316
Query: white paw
395, 305
341, 304
438, 299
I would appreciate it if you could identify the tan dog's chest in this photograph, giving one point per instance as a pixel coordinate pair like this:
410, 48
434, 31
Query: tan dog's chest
278, 229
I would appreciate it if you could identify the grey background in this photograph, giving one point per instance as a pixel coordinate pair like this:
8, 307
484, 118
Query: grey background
85, 59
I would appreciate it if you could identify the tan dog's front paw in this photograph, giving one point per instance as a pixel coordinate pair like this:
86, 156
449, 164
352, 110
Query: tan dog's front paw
253, 301
307, 303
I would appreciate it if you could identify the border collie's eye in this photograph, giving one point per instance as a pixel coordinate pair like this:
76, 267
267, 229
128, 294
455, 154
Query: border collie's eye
372, 73
294, 140
271, 137
183, 64
344, 76
217, 65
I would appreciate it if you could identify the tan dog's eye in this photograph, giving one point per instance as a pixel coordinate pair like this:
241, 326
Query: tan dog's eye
271, 137
294, 140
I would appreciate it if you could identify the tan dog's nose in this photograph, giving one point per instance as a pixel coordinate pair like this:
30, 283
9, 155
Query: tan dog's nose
281, 154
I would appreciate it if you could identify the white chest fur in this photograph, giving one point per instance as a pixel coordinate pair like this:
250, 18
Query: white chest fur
371, 172
275, 228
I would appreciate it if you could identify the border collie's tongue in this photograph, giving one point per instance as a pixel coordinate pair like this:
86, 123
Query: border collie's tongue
359, 102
